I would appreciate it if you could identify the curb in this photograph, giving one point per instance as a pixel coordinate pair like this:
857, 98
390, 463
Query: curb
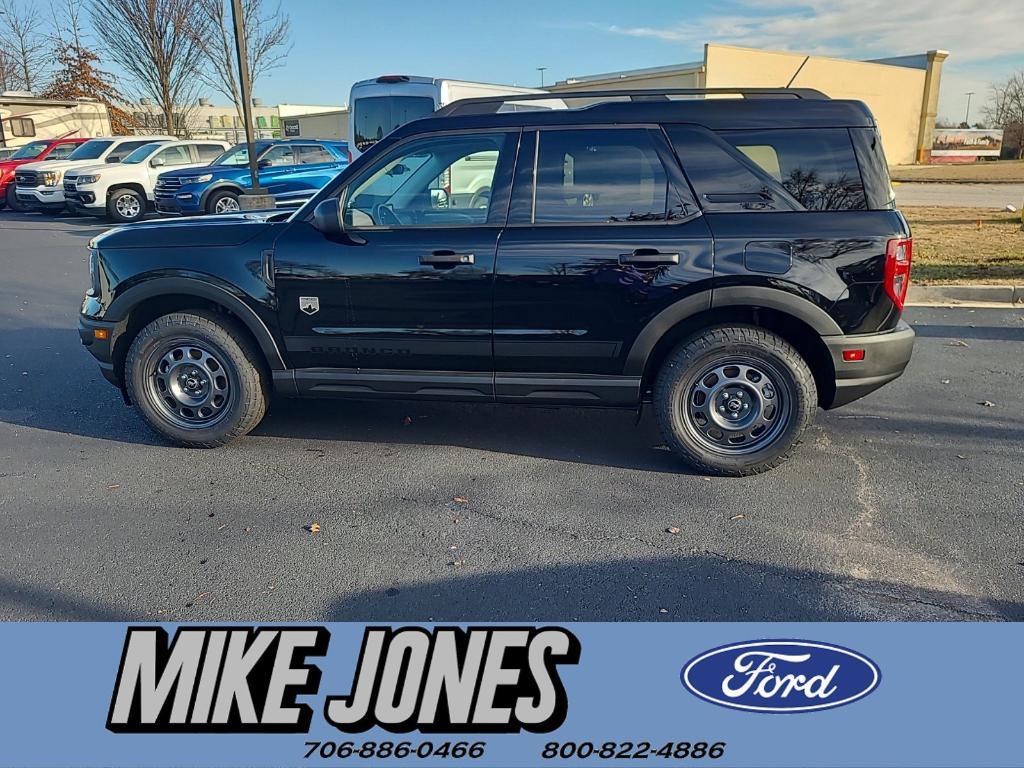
1012, 295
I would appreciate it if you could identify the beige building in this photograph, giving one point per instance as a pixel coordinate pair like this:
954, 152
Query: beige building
902, 92
213, 121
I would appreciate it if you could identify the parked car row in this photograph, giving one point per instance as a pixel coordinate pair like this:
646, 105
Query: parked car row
122, 177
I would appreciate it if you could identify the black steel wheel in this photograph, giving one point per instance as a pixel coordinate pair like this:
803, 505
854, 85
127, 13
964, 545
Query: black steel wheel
734, 400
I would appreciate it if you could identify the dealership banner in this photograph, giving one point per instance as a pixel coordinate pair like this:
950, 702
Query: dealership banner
717, 694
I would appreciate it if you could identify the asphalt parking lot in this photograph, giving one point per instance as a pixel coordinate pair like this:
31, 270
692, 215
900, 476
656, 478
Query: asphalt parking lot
906, 505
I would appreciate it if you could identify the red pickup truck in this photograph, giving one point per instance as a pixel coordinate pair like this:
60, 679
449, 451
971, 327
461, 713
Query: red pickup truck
33, 152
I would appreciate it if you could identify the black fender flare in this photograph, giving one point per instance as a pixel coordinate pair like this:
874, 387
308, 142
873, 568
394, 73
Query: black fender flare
122, 306
730, 296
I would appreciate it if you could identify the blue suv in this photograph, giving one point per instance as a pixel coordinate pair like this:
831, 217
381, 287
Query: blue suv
292, 170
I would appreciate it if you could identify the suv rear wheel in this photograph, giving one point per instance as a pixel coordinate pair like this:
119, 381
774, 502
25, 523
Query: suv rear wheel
196, 378
126, 205
734, 400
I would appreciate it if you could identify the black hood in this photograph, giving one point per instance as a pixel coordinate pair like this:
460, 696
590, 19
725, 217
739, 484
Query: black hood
199, 231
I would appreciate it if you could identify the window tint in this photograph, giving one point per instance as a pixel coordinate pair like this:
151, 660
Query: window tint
31, 150
314, 154
22, 126
209, 152
377, 116
90, 150
178, 155
442, 180
282, 154
61, 151
599, 175
817, 167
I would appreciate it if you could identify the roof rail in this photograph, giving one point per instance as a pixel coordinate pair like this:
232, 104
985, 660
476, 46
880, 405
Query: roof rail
486, 105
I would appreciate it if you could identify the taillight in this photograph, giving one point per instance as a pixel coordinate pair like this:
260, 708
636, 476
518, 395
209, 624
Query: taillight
898, 254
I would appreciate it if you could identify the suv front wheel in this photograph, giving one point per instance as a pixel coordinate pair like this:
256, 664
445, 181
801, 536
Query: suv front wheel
126, 205
196, 378
734, 400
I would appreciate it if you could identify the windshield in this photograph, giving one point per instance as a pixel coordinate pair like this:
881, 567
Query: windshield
90, 150
141, 154
377, 116
29, 151
237, 155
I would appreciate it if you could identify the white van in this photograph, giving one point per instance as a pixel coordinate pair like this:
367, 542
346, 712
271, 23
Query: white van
377, 107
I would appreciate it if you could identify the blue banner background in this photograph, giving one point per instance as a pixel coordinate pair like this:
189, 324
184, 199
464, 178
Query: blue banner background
951, 695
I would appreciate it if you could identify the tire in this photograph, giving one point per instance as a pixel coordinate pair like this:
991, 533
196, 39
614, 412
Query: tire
11, 198
125, 205
180, 363
225, 199
734, 400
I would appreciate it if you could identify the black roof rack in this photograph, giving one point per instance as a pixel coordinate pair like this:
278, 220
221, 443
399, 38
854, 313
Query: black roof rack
488, 105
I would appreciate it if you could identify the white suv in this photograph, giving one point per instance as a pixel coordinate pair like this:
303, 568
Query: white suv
39, 185
123, 192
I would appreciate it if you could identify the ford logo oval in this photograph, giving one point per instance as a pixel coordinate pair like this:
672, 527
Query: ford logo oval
781, 676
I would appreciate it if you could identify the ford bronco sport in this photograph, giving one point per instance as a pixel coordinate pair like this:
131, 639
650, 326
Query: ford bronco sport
735, 262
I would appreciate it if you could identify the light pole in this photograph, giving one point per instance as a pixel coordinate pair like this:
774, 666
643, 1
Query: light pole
541, 70
257, 197
967, 117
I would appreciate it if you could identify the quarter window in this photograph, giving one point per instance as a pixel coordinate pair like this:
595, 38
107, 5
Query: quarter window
817, 167
443, 180
608, 175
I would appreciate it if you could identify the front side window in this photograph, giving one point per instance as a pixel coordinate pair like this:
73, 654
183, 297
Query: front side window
443, 180
140, 154
237, 155
606, 175
30, 151
125, 148
817, 167
281, 155
91, 150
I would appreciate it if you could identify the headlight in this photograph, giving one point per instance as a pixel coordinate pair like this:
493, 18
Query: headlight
196, 179
51, 178
90, 178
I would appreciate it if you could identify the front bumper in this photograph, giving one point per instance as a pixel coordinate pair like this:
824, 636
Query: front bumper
179, 204
99, 337
41, 197
885, 357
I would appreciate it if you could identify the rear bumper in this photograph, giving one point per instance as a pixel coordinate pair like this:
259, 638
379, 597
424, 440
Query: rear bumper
885, 357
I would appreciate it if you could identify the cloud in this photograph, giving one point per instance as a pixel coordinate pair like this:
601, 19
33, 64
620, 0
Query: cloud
866, 28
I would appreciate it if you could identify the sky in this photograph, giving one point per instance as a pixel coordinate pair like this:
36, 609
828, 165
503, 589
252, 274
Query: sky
337, 42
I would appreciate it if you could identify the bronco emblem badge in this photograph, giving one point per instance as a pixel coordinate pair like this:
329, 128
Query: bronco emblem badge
309, 304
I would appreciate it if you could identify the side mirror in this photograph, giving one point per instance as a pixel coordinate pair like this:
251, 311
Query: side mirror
263, 164
329, 220
438, 198
156, 162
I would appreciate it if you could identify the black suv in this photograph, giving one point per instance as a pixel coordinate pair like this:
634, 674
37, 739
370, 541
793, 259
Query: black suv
736, 262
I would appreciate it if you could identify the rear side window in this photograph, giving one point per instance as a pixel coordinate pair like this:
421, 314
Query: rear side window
818, 167
610, 175
314, 154
209, 152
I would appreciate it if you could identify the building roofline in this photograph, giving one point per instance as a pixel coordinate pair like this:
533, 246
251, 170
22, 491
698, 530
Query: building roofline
692, 66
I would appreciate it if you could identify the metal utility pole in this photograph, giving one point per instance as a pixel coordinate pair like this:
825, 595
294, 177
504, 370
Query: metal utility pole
541, 70
259, 198
967, 117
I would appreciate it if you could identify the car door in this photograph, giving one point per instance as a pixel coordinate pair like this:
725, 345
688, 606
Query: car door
276, 166
603, 234
405, 298
169, 158
316, 167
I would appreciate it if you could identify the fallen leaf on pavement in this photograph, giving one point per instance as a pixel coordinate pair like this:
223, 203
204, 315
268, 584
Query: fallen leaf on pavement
738, 517
313, 527
113, 487
987, 403
460, 500
674, 530
957, 343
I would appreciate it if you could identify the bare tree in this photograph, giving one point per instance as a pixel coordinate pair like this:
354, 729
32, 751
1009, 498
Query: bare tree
154, 42
1005, 110
23, 37
10, 80
67, 28
266, 42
